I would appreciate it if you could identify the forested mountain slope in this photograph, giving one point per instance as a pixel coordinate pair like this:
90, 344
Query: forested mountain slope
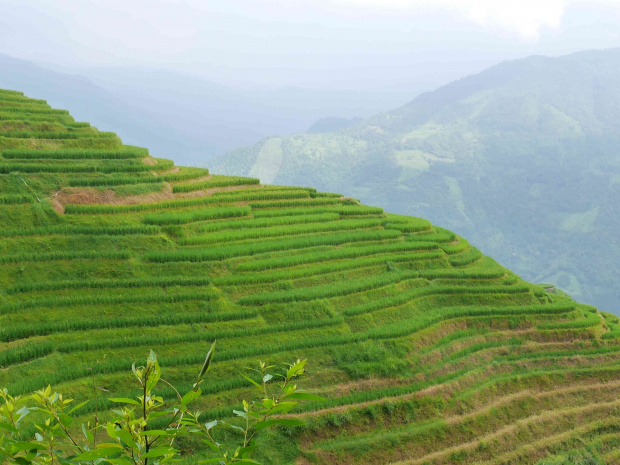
427, 351
522, 159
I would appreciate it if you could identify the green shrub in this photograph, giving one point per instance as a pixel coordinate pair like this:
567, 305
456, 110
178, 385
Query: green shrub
133, 432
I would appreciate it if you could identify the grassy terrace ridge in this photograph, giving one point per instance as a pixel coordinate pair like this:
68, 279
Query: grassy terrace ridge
428, 351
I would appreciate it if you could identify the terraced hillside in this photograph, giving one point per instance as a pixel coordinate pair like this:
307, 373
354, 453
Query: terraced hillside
427, 351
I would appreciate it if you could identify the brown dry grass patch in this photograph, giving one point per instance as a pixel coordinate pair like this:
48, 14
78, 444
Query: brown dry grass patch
91, 196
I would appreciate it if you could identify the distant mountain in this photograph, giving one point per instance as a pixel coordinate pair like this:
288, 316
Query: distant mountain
521, 158
183, 117
200, 110
93, 103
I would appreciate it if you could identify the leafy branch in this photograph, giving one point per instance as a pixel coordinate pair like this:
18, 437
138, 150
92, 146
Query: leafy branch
132, 436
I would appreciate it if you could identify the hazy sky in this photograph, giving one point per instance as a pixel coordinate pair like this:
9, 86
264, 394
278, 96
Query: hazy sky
355, 44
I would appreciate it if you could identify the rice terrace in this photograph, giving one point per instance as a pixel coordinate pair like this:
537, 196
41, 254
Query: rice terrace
426, 351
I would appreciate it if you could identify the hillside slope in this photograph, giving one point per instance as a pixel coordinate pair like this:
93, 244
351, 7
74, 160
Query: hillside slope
521, 159
428, 351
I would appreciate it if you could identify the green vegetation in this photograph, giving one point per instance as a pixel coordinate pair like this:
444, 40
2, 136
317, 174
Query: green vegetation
196, 215
426, 350
215, 181
521, 159
15, 198
76, 154
145, 429
129, 166
187, 173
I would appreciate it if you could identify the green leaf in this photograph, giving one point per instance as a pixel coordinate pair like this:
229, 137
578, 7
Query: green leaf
124, 400
239, 413
109, 444
284, 407
31, 455
122, 460
97, 453
279, 421
65, 420
8, 427
155, 432
296, 369
87, 434
153, 376
25, 445
189, 397
213, 447
78, 406
210, 424
22, 413
207, 363
304, 396
238, 428
21, 461
159, 452
111, 429
253, 382
127, 438
246, 451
